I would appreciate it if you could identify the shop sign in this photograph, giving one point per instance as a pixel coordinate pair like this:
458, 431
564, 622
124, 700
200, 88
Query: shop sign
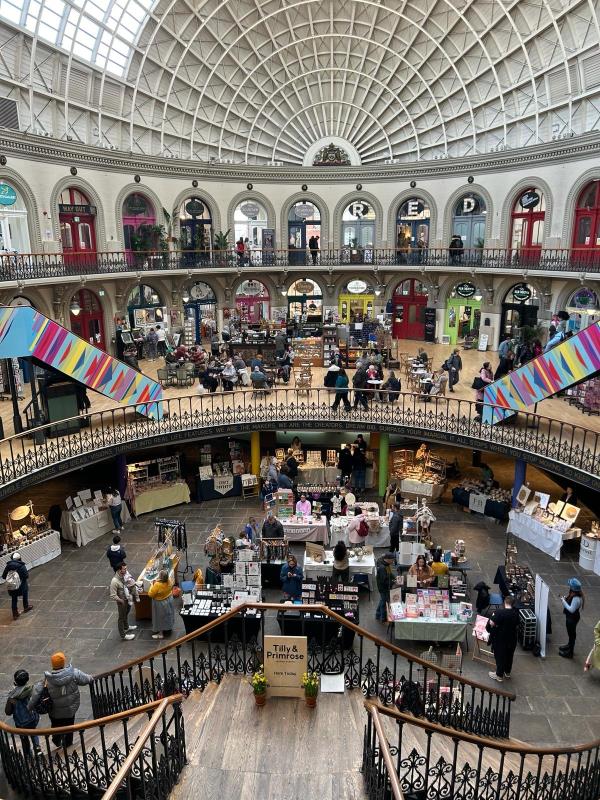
202, 291
8, 196
194, 208
304, 287
584, 298
285, 661
76, 208
304, 210
529, 200
358, 209
470, 204
250, 209
136, 205
466, 289
414, 207
251, 288
521, 293
357, 287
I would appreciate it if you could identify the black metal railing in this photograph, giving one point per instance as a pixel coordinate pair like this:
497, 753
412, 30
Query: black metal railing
379, 773
335, 646
89, 756
29, 266
429, 765
561, 447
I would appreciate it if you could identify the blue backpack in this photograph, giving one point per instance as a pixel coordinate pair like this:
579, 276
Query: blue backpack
23, 717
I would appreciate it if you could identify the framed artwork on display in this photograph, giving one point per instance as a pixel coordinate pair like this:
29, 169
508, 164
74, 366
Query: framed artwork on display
523, 494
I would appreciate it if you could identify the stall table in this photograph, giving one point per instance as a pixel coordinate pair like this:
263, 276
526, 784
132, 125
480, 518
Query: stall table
143, 609
315, 626
409, 487
423, 629
314, 569
492, 508
339, 532
161, 496
245, 626
315, 531
205, 489
35, 553
531, 530
90, 528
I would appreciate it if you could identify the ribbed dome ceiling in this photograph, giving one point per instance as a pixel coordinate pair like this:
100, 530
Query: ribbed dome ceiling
261, 82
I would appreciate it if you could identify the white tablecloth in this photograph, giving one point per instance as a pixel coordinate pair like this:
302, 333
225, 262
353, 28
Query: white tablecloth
314, 569
546, 539
36, 553
91, 528
431, 491
339, 532
313, 474
316, 531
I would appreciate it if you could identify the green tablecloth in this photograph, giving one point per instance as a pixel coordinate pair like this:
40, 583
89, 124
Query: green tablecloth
161, 497
434, 631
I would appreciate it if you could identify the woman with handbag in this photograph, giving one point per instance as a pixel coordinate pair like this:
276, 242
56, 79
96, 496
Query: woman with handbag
163, 610
485, 377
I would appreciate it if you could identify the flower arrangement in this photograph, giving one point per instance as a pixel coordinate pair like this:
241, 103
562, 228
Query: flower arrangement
259, 682
310, 684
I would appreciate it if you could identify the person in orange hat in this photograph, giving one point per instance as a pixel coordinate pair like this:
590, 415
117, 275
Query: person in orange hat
63, 683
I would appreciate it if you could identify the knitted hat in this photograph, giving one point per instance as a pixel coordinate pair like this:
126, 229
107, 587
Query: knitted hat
58, 660
16, 556
575, 584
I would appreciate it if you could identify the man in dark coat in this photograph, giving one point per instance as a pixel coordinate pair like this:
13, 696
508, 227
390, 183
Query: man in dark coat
15, 564
504, 626
396, 525
359, 381
345, 463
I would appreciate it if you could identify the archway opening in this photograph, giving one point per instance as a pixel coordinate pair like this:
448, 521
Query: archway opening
87, 318
463, 312
195, 230
519, 310
200, 311
358, 232
468, 223
141, 234
14, 230
77, 220
409, 302
527, 226
304, 231
412, 231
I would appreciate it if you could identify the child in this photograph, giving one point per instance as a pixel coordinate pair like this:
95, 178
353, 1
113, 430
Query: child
16, 707
131, 591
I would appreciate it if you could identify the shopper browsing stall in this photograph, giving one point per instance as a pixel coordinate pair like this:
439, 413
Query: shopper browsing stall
572, 607
385, 581
272, 527
396, 524
358, 528
292, 464
503, 628
121, 594
16, 576
163, 612
423, 573
291, 579
438, 567
345, 463
341, 563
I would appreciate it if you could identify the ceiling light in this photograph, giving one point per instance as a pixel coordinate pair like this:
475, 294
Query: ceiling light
378, 290
75, 308
185, 296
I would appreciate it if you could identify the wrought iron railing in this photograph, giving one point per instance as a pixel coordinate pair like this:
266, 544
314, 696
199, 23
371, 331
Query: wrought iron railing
562, 447
154, 752
379, 772
428, 765
29, 266
335, 645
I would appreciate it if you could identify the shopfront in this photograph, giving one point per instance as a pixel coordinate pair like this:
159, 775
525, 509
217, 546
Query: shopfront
14, 231
195, 230
77, 220
358, 233
305, 304
200, 307
304, 224
356, 302
250, 220
463, 311
408, 310
583, 309
586, 230
519, 309
412, 231
527, 226
140, 232
252, 302
469, 223
86, 317
146, 310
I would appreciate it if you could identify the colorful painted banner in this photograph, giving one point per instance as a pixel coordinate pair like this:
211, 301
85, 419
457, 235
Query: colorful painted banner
25, 332
573, 360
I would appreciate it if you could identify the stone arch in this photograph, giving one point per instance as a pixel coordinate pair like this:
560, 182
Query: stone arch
339, 211
184, 194
511, 280
136, 188
397, 201
565, 293
33, 212
511, 198
152, 280
571, 202
75, 182
468, 188
264, 201
318, 201
181, 281
35, 297
260, 278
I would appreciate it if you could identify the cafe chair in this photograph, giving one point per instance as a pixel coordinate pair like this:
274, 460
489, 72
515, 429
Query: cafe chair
164, 377
362, 579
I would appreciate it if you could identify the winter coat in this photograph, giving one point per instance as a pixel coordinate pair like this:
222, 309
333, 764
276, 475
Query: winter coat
21, 570
116, 555
284, 482
63, 687
345, 462
385, 577
17, 707
272, 529
359, 381
293, 585
396, 524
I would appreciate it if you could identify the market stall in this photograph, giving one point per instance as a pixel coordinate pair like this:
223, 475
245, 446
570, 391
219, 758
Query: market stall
475, 496
35, 551
379, 531
429, 616
164, 557
156, 484
360, 561
419, 475
218, 486
307, 529
88, 522
207, 603
273, 555
546, 537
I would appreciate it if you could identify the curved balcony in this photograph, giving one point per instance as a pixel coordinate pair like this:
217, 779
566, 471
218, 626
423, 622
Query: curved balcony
572, 451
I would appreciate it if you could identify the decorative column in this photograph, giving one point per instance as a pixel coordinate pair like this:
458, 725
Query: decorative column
255, 452
384, 451
520, 475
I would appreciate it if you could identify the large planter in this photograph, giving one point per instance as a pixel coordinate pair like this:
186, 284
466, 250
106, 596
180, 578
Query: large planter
311, 700
260, 699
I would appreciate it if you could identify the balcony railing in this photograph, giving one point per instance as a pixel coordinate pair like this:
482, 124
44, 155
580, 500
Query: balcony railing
27, 266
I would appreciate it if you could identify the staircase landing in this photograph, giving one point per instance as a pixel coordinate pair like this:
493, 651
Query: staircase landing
282, 751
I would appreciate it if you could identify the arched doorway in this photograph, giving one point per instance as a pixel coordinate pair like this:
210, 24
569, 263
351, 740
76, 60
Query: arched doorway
586, 231
77, 220
146, 310
412, 231
356, 302
463, 311
140, 232
304, 222
358, 232
468, 222
200, 310
527, 226
14, 231
519, 310
195, 230
86, 317
583, 309
408, 310
252, 302
305, 307
249, 222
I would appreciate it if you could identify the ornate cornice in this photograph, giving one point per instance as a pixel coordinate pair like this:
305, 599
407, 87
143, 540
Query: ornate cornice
38, 148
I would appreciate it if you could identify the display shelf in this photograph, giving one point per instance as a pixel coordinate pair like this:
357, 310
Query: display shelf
309, 350
330, 343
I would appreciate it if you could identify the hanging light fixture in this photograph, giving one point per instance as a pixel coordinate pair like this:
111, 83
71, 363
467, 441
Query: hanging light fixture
185, 296
75, 307
378, 289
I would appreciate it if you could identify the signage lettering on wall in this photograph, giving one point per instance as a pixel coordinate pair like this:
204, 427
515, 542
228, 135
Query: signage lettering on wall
521, 293
468, 205
466, 289
75, 208
250, 209
285, 661
357, 287
194, 208
529, 200
304, 210
8, 196
358, 209
414, 207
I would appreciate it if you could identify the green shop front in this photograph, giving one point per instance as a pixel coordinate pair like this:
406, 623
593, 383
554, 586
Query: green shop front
463, 311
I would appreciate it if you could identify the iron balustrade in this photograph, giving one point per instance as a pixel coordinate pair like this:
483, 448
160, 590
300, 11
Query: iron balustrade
17, 267
379, 773
572, 451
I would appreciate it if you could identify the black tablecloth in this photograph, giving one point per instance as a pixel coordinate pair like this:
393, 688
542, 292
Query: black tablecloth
493, 508
270, 574
323, 629
233, 627
205, 490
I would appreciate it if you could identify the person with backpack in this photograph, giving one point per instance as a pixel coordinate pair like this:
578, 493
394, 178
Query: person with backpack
453, 366
116, 553
16, 707
358, 528
385, 581
16, 576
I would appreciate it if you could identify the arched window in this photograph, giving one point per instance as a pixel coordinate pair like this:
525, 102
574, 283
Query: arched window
249, 220
356, 302
412, 231
586, 230
77, 220
252, 302
304, 229
527, 226
305, 301
86, 317
583, 309
200, 309
463, 311
14, 231
140, 232
145, 307
468, 222
519, 309
195, 229
358, 230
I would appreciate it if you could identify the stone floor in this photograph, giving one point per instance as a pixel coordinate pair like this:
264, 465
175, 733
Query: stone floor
556, 701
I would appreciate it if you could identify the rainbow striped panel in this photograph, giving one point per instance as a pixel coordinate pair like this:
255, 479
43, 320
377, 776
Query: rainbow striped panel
26, 332
573, 360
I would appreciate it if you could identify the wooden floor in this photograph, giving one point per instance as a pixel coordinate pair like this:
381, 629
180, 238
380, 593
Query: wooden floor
282, 751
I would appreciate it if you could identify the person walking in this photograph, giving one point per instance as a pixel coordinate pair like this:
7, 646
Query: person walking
16, 576
486, 376
16, 707
572, 607
163, 609
63, 683
115, 553
313, 246
454, 366
152, 341
385, 581
341, 391
162, 341
503, 627
345, 463
115, 505
593, 659
359, 468
359, 382
120, 593
396, 524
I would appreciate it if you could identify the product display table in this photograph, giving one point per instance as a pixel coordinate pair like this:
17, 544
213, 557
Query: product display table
162, 496
475, 501
312, 531
413, 488
531, 530
90, 528
314, 569
36, 553
339, 532
245, 626
423, 629
316, 626
205, 490
143, 609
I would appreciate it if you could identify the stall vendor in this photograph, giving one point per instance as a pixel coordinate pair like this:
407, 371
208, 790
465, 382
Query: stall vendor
272, 527
291, 579
423, 572
303, 507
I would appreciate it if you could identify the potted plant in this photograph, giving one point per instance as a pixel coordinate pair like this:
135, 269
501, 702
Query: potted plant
259, 686
310, 684
171, 240
222, 247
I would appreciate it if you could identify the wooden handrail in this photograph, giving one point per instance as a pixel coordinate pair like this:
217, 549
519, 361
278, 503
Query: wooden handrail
322, 610
90, 723
137, 748
384, 749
